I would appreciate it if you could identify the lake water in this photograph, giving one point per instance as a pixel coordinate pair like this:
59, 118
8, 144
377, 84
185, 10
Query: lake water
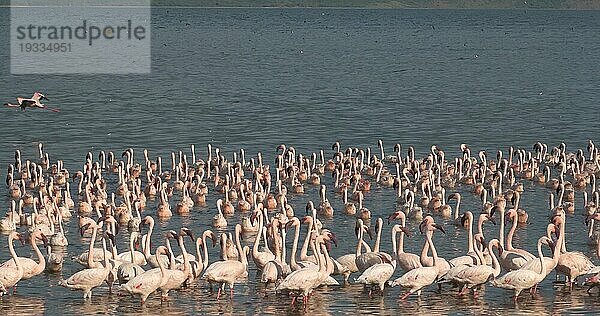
255, 78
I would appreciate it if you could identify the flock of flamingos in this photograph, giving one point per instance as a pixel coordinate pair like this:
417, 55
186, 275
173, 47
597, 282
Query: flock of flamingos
111, 195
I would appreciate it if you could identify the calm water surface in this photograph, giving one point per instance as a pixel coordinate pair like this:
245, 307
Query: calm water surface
255, 78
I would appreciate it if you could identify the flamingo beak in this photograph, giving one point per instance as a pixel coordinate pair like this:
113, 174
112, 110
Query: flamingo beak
392, 217
288, 225
83, 228
44, 240
493, 211
369, 232
20, 238
334, 239
440, 227
463, 219
188, 232
405, 230
112, 238
213, 237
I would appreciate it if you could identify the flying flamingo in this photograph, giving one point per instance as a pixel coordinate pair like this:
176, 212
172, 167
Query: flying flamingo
33, 102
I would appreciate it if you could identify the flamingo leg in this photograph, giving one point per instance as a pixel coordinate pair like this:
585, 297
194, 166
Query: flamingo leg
405, 295
293, 301
219, 294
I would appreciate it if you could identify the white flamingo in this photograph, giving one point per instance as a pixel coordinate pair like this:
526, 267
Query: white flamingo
519, 280
230, 271
87, 279
9, 276
473, 277
306, 279
379, 273
146, 283
418, 278
176, 278
406, 261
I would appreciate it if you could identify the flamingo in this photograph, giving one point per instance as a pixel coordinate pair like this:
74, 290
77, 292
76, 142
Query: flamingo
442, 266
149, 281
260, 257
519, 280
570, 263
306, 279
93, 256
9, 276
379, 273
348, 261
151, 259
132, 255
131, 262
471, 256
473, 277
176, 278
368, 259
512, 258
534, 264
33, 102
198, 265
55, 261
87, 279
418, 278
29, 266
219, 220
277, 269
228, 272
406, 261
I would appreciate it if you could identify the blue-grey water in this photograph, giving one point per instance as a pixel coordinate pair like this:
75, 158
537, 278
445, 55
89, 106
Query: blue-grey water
255, 78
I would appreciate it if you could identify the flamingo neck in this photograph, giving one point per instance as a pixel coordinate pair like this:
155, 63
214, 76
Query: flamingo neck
541, 258
394, 242
172, 256
495, 263
204, 248
186, 263
470, 236
401, 239
501, 232
241, 252
433, 251
293, 263
304, 250
378, 239
424, 251
90, 260
511, 233
480, 225
456, 212
360, 242
41, 260
131, 250
160, 263
255, 248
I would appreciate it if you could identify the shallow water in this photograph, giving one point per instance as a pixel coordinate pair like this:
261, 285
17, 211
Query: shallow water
255, 78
